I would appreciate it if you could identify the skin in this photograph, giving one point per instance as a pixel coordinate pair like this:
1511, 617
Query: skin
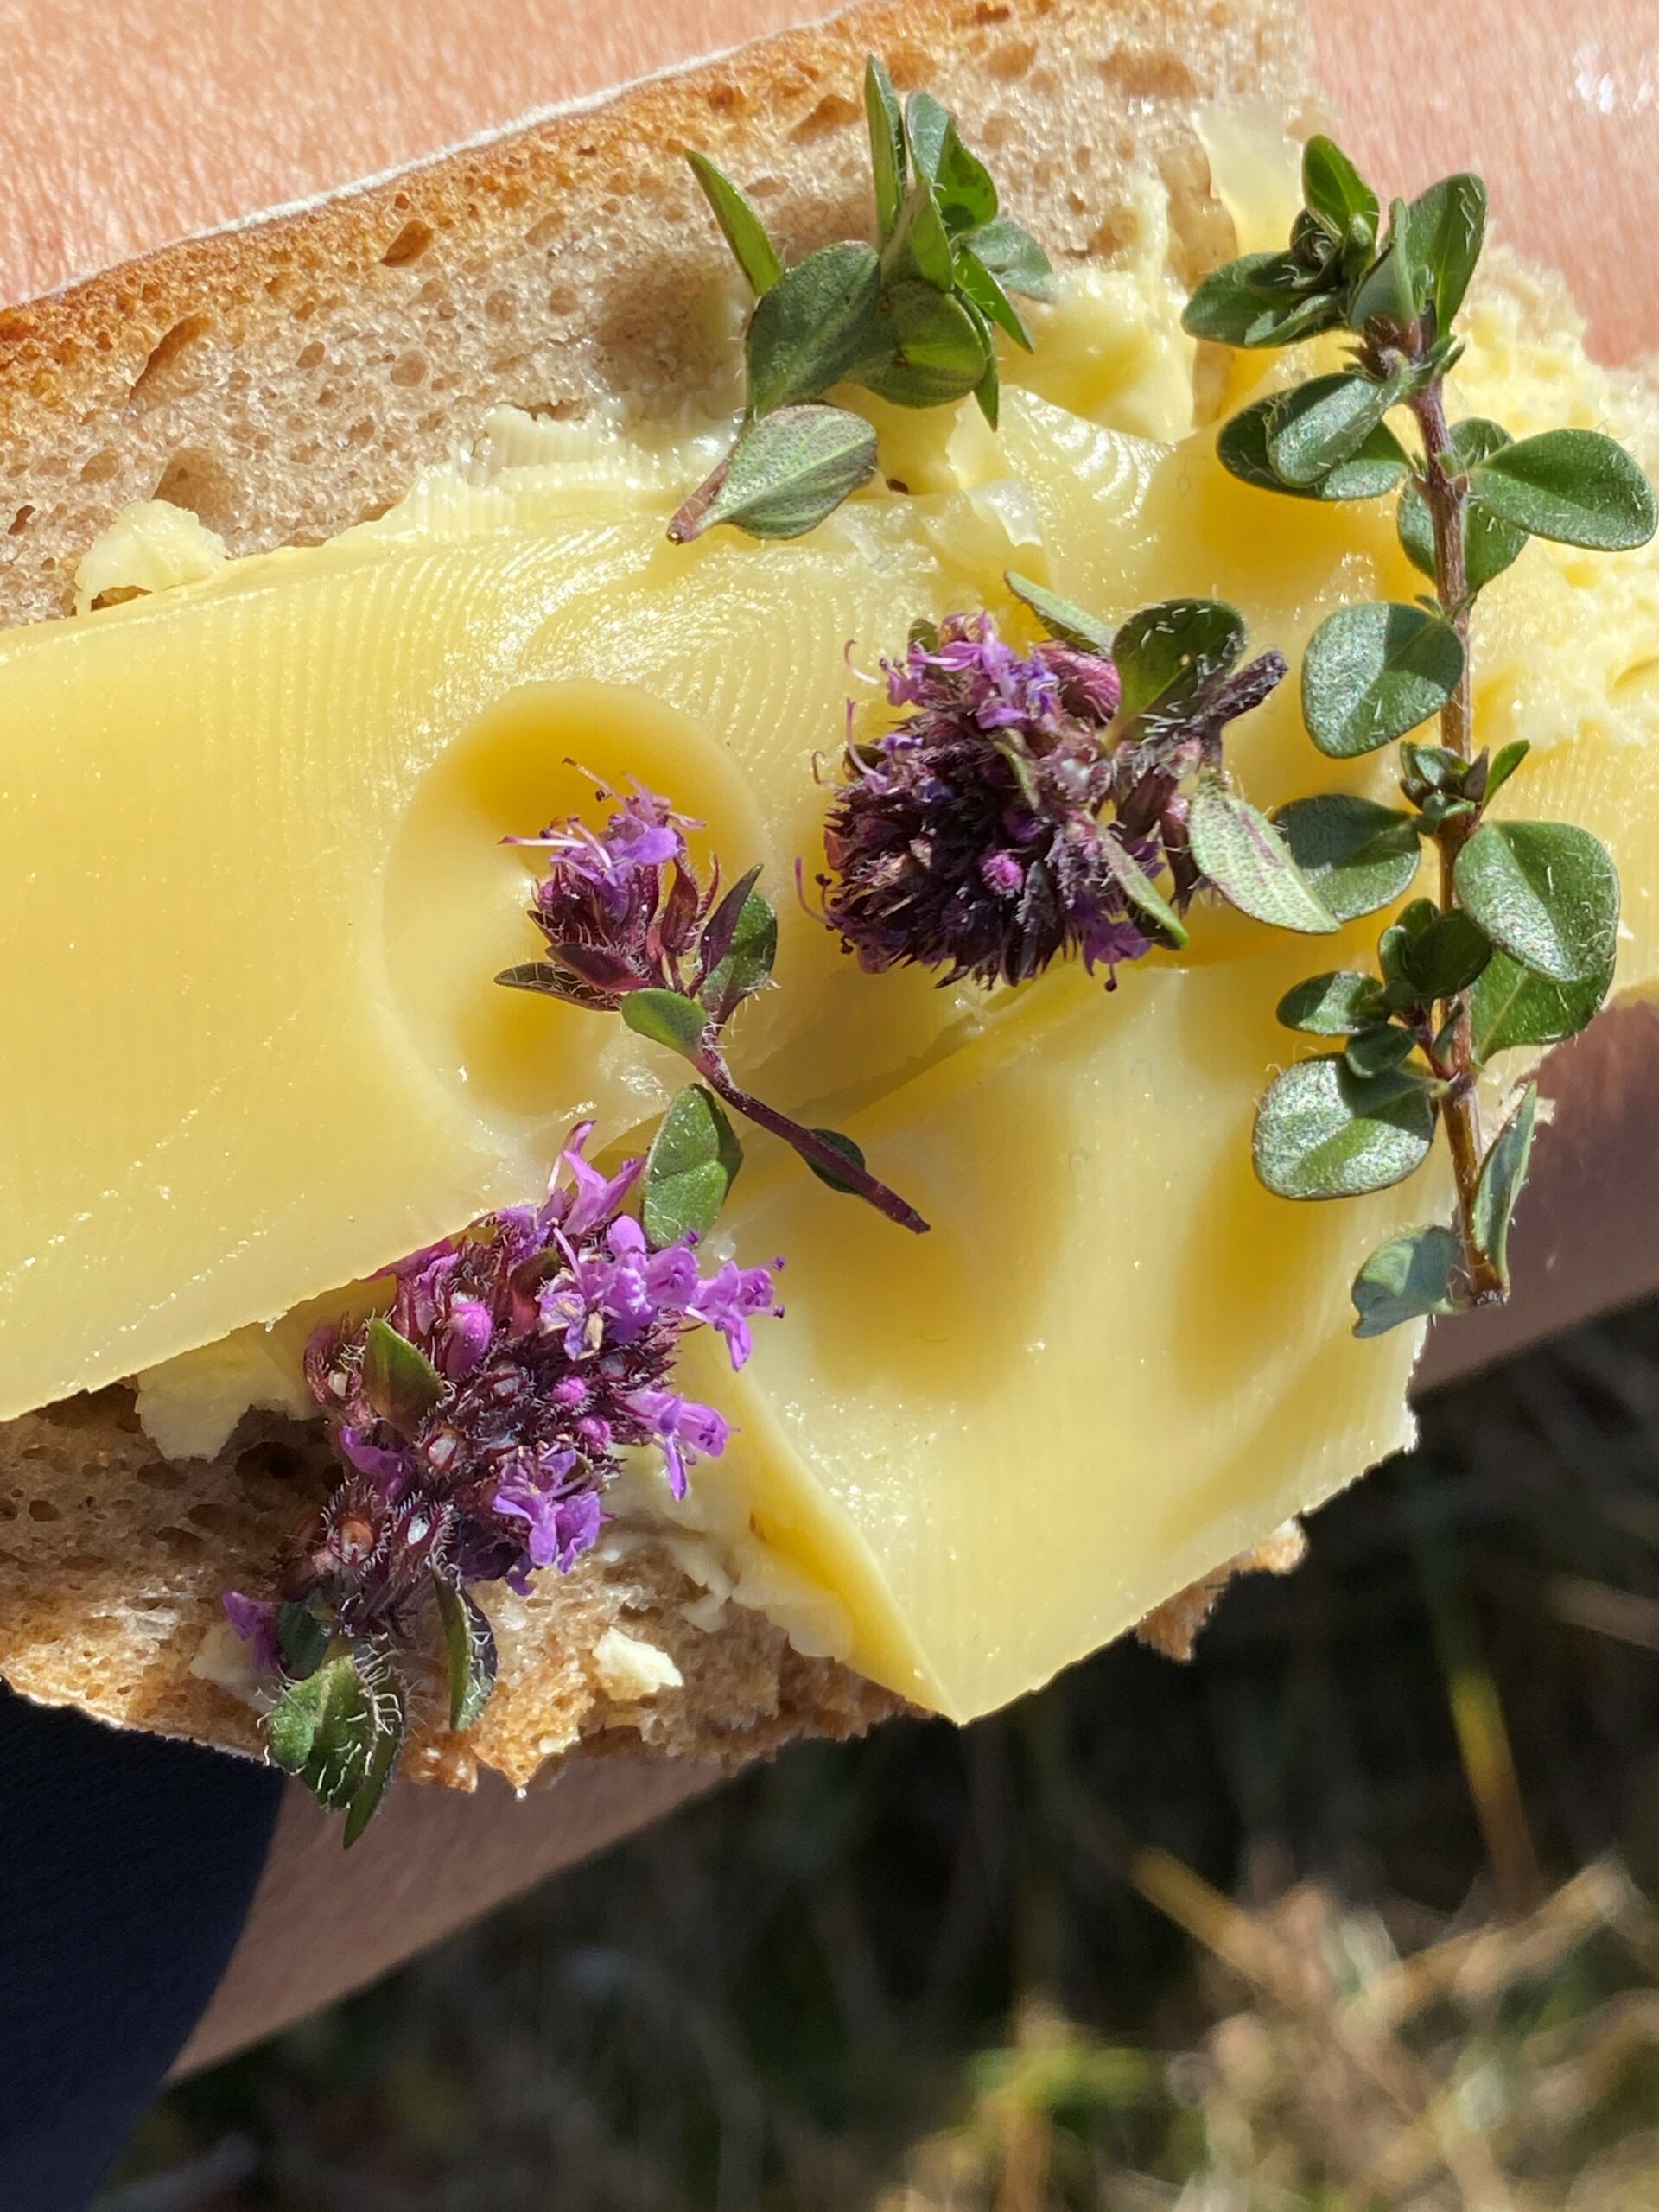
201, 112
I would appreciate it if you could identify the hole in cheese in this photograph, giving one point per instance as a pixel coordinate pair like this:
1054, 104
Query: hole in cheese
456, 895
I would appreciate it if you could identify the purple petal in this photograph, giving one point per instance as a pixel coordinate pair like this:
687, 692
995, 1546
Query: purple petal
254, 1620
465, 1337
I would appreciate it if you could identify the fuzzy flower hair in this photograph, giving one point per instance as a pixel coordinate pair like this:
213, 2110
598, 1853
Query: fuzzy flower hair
528, 1354
969, 838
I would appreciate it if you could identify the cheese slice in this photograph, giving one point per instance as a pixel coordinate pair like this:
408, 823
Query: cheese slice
252, 891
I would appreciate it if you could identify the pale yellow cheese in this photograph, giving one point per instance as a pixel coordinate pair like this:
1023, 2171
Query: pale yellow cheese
252, 891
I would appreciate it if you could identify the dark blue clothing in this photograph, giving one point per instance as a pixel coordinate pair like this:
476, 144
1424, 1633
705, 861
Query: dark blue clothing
127, 1865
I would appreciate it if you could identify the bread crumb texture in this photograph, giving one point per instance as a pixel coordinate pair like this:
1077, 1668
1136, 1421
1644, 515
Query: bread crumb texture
286, 379
113, 1561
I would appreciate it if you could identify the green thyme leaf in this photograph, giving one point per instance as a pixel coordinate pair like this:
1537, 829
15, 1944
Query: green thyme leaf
747, 962
976, 282
1575, 487
745, 232
1014, 258
399, 1381
1391, 291
1070, 624
1503, 1173
847, 1150
1426, 768
1505, 761
302, 1640
537, 975
1249, 303
1357, 855
667, 1017
966, 195
814, 327
1249, 862
1371, 470
1323, 423
693, 1162
1489, 545
469, 1643
1166, 654
919, 250
1545, 892
1395, 944
1446, 227
1409, 1279
1378, 1050
1341, 1004
925, 125
988, 392
1510, 1006
787, 473
1336, 192
1141, 893
1443, 957
388, 1723
1372, 672
292, 1723
340, 1730
1321, 1131
936, 351
1441, 807
888, 155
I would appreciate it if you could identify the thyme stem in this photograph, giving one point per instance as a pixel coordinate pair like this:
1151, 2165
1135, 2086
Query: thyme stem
1445, 491
809, 1144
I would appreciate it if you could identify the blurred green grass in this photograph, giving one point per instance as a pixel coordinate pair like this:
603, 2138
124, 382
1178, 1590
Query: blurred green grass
1351, 1914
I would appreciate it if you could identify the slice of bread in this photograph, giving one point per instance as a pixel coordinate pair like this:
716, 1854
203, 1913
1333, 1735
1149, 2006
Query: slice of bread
287, 378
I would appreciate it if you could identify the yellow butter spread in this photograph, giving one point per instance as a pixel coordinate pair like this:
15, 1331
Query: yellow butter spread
253, 895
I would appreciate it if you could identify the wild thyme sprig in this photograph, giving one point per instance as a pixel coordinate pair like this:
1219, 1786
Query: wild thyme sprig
630, 931
911, 322
1516, 947
479, 1421
1028, 806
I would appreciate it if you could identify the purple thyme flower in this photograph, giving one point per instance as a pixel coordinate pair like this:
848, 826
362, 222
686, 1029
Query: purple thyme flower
620, 908
970, 837
549, 1335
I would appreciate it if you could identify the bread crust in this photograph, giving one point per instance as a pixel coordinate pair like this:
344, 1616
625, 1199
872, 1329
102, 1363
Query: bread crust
289, 377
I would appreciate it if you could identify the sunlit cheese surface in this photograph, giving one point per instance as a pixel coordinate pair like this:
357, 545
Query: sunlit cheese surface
252, 895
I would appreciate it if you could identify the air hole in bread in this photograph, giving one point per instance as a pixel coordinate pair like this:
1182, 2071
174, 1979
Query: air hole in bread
988, 14
266, 1462
174, 366
20, 521
195, 479
408, 368
161, 1476
410, 243
1013, 59
1149, 76
183, 1544
41, 1509
219, 1520
312, 356
833, 110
